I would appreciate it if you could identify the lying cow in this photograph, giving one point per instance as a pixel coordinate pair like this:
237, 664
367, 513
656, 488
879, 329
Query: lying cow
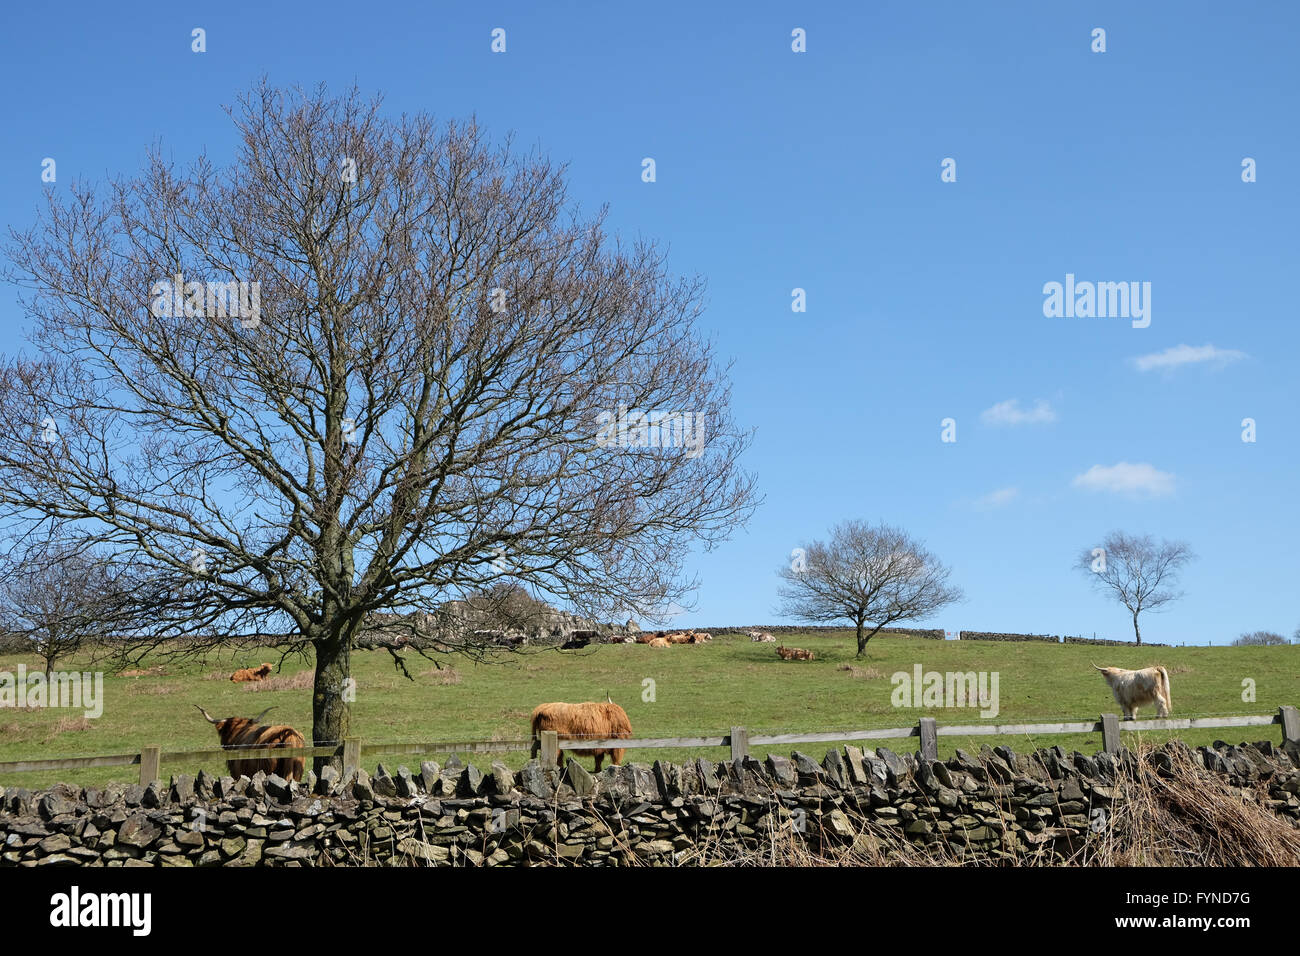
660, 642
1134, 689
763, 638
690, 637
251, 673
243, 733
794, 654
589, 720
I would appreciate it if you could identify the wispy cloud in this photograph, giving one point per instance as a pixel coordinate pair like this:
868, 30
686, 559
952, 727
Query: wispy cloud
997, 499
1010, 413
1180, 355
1126, 479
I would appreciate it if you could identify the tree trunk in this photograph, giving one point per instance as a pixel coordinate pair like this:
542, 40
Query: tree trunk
1136, 630
862, 641
332, 694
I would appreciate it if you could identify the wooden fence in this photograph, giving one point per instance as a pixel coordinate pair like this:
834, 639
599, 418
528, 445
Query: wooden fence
351, 750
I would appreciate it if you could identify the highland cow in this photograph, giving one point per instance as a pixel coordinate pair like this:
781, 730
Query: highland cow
1134, 689
242, 733
589, 721
251, 673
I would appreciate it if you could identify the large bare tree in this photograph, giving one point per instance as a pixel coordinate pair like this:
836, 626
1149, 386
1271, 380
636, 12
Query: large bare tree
1136, 571
406, 407
873, 576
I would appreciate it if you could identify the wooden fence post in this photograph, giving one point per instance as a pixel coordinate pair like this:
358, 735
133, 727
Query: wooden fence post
929, 731
150, 757
351, 755
550, 752
739, 743
1110, 739
1290, 724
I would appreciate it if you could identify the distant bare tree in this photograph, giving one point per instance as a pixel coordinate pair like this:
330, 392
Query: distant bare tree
57, 600
1136, 571
506, 606
872, 576
1259, 639
406, 408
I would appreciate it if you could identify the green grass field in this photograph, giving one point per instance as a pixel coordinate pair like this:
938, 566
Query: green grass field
697, 690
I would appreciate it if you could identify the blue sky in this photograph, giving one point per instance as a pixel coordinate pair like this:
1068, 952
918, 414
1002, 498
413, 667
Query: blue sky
821, 170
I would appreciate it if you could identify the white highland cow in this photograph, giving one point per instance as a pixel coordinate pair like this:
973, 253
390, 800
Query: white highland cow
1134, 689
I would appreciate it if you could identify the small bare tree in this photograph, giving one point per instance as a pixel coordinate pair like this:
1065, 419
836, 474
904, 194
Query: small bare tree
371, 365
58, 600
1136, 571
872, 576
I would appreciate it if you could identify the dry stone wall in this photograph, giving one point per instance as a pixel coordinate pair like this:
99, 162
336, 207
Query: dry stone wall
997, 804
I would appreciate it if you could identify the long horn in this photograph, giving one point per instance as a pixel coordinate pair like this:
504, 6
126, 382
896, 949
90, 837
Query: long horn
258, 718
211, 720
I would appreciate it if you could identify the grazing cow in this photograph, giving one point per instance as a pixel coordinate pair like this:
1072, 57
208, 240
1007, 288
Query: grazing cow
660, 642
251, 673
243, 733
1134, 689
583, 721
794, 654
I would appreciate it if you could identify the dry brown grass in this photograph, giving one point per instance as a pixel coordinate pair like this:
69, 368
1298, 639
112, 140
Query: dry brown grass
861, 673
1177, 814
68, 725
303, 680
153, 690
442, 675
158, 670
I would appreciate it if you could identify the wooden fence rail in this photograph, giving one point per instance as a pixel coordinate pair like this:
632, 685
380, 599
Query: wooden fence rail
150, 759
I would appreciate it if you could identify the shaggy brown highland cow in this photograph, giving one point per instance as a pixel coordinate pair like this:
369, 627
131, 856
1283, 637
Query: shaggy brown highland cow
247, 734
589, 721
251, 673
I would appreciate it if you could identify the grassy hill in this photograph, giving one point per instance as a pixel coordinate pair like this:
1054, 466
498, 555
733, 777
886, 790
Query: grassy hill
697, 690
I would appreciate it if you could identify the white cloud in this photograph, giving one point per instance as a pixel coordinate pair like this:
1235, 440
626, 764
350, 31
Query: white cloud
1126, 479
1010, 413
1179, 355
998, 499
